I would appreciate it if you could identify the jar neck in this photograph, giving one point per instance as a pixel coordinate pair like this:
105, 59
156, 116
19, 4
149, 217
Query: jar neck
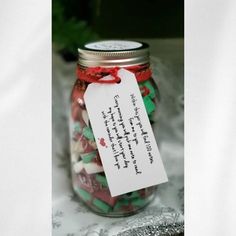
95, 74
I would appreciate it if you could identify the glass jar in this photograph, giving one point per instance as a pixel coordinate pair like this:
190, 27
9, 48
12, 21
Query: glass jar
88, 178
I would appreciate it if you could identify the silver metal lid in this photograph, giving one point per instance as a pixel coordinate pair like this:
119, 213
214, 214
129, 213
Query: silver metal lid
110, 53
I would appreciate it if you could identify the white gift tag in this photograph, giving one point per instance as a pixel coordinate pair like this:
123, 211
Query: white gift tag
124, 136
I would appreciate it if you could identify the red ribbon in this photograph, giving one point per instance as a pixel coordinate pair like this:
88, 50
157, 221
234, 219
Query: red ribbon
95, 74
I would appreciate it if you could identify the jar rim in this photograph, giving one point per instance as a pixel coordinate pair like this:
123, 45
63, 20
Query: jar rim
110, 53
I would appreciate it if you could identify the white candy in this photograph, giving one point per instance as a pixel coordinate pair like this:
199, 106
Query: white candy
85, 117
78, 166
74, 157
77, 147
92, 168
93, 144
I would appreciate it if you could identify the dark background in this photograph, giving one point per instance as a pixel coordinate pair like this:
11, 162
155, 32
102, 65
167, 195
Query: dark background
76, 22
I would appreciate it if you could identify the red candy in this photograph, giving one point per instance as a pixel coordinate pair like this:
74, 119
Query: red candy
88, 182
127, 208
76, 113
78, 96
84, 143
97, 159
105, 196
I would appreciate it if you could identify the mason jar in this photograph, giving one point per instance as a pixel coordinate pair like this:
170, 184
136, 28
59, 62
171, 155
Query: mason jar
96, 60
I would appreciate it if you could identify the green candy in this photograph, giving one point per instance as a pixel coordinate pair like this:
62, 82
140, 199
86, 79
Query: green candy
88, 157
130, 195
84, 194
124, 202
117, 206
149, 105
77, 127
134, 194
88, 133
152, 92
101, 205
120, 203
138, 202
102, 180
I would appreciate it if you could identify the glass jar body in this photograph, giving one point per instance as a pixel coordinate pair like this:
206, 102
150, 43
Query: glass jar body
88, 177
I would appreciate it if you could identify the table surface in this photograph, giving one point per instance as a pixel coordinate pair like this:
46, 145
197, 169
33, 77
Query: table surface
164, 216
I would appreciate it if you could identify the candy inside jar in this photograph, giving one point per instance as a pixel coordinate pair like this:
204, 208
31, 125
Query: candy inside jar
88, 177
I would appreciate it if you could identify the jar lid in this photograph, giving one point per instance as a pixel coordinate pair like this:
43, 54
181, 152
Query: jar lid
110, 53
